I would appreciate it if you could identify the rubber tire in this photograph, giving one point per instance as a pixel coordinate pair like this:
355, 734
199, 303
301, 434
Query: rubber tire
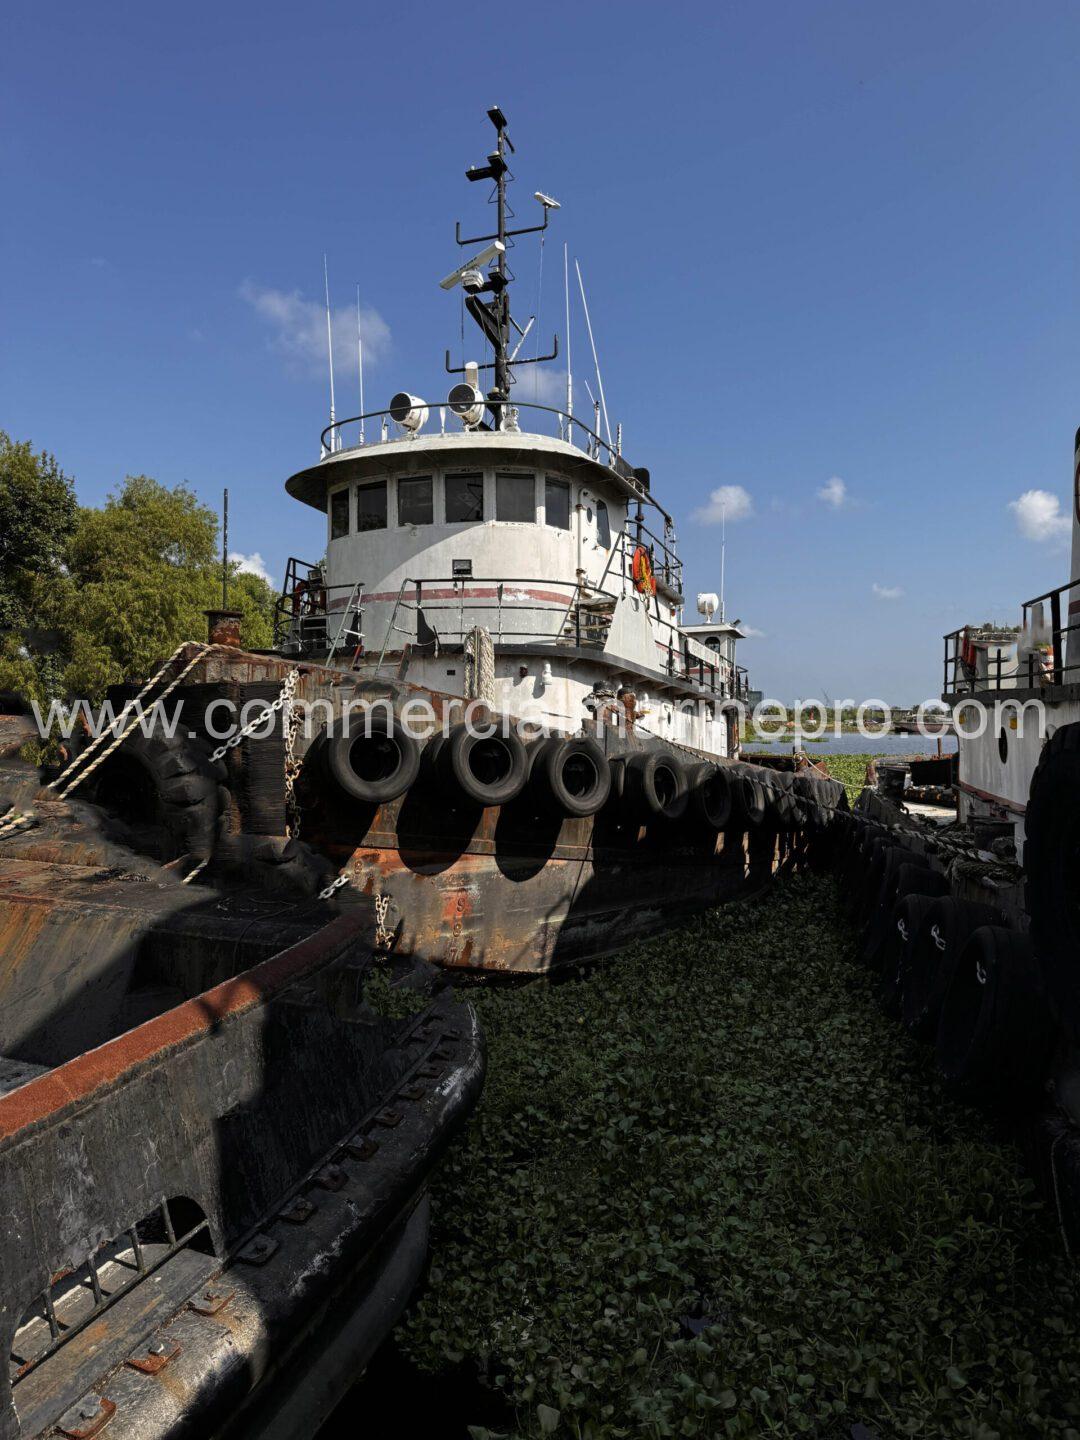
547, 775
456, 755
994, 1033
936, 953
642, 795
711, 798
877, 918
182, 780
857, 900
751, 803
379, 791
920, 879
908, 915
1052, 867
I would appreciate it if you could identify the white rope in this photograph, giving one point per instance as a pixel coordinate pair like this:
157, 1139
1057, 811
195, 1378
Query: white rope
135, 704
18, 821
480, 665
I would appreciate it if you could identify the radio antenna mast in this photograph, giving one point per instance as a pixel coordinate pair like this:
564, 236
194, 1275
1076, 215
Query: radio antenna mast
225, 550
330, 353
360, 362
569, 371
493, 316
723, 552
592, 343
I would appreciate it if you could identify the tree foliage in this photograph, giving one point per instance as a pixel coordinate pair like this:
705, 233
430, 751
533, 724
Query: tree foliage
93, 596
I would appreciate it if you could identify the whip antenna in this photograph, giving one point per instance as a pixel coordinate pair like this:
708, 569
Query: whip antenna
360, 362
592, 343
330, 353
569, 369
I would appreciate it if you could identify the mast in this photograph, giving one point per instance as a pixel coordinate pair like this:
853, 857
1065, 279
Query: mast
493, 316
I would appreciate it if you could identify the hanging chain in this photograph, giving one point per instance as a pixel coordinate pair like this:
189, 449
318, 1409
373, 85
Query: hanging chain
342, 879
384, 937
287, 690
293, 721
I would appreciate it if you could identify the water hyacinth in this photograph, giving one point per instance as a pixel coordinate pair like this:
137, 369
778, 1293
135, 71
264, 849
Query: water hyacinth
711, 1191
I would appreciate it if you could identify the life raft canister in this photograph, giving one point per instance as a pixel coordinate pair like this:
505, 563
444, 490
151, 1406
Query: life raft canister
642, 571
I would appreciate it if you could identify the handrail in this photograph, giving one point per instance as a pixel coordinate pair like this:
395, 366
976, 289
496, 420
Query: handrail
1040, 673
597, 445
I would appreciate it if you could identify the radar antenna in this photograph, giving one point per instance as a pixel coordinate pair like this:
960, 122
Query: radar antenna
493, 316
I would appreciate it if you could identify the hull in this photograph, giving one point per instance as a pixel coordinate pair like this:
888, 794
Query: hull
218, 1113
512, 887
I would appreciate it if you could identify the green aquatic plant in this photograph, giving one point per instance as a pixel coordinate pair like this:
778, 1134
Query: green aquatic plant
711, 1190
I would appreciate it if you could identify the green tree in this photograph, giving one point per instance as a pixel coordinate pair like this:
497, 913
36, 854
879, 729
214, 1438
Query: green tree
38, 514
143, 569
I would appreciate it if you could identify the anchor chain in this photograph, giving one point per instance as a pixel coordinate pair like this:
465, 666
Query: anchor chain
288, 689
384, 936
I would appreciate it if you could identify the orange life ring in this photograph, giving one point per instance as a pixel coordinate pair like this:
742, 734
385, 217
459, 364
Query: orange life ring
642, 571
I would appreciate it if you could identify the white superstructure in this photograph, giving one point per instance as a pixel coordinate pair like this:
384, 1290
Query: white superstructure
483, 535
1013, 688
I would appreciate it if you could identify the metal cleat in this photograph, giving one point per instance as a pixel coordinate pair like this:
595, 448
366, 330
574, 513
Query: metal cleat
155, 1357
86, 1418
258, 1250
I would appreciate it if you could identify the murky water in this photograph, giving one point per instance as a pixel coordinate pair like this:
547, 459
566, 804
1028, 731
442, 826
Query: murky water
857, 745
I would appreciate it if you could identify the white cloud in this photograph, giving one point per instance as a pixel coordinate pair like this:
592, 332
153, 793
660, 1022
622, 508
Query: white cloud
1039, 516
729, 502
298, 331
887, 592
252, 564
752, 632
833, 492
543, 385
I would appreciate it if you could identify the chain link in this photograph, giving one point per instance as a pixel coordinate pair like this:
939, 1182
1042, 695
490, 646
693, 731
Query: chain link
384, 936
342, 879
288, 688
293, 720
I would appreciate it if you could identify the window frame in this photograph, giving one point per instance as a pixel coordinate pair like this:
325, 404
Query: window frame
336, 496
556, 481
371, 485
450, 475
414, 480
515, 475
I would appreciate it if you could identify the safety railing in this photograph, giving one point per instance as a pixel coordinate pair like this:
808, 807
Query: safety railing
77, 1296
444, 610
306, 619
377, 427
1036, 656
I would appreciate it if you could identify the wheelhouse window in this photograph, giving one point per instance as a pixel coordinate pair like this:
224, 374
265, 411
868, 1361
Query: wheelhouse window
603, 525
339, 514
515, 497
414, 501
371, 506
464, 497
557, 503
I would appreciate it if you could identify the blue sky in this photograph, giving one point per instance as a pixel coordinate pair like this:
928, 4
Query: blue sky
822, 242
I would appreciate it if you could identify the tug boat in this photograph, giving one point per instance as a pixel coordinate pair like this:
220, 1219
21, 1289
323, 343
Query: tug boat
547, 764
227, 1062
970, 910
